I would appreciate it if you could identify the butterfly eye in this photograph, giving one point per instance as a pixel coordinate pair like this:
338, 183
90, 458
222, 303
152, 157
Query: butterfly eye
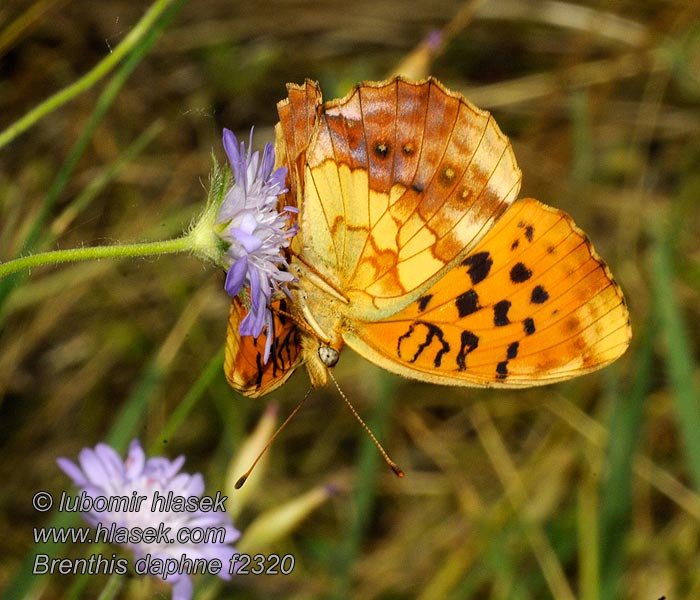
329, 356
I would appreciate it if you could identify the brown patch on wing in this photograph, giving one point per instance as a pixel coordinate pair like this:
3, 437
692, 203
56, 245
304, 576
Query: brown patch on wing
298, 113
379, 120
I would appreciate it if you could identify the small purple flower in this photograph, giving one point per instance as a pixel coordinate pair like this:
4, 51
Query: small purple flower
256, 232
103, 473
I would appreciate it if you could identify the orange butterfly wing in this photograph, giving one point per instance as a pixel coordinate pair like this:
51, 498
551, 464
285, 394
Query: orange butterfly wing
410, 251
243, 359
531, 304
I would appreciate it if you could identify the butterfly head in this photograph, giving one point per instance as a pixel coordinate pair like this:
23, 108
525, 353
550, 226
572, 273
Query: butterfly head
319, 353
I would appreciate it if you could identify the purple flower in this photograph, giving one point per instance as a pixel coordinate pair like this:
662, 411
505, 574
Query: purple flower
256, 231
434, 40
102, 473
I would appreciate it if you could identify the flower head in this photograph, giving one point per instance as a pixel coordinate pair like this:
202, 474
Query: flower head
256, 231
103, 473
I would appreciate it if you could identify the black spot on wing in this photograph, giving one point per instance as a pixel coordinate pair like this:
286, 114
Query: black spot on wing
529, 326
539, 295
284, 348
468, 342
260, 370
502, 369
423, 302
529, 230
512, 350
467, 303
287, 350
500, 313
381, 149
425, 334
478, 266
282, 316
520, 273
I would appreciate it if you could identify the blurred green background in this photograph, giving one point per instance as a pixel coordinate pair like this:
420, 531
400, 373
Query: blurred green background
587, 489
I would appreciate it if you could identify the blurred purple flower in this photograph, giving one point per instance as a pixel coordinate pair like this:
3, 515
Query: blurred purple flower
103, 473
434, 40
256, 232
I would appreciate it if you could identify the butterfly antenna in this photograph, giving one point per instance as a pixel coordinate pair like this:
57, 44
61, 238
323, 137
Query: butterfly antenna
392, 465
243, 478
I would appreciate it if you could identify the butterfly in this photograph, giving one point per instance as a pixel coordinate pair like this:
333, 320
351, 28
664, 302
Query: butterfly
413, 251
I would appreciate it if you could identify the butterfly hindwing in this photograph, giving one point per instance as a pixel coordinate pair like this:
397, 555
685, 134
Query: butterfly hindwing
244, 364
531, 304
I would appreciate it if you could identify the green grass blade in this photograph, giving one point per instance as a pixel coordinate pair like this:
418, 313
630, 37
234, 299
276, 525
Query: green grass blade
93, 189
679, 355
213, 369
105, 100
134, 40
616, 489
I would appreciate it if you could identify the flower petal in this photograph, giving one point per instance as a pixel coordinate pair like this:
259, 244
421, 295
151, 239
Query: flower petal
235, 278
93, 468
112, 464
250, 242
183, 588
73, 471
231, 147
268, 162
135, 460
270, 336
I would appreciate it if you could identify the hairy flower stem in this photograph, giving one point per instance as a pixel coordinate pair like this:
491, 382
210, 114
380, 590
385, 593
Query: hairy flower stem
181, 244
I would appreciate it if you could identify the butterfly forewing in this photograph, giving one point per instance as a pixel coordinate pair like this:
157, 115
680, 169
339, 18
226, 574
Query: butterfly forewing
532, 304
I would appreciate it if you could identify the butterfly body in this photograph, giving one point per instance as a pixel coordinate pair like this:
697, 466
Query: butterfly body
319, 306
411, 250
